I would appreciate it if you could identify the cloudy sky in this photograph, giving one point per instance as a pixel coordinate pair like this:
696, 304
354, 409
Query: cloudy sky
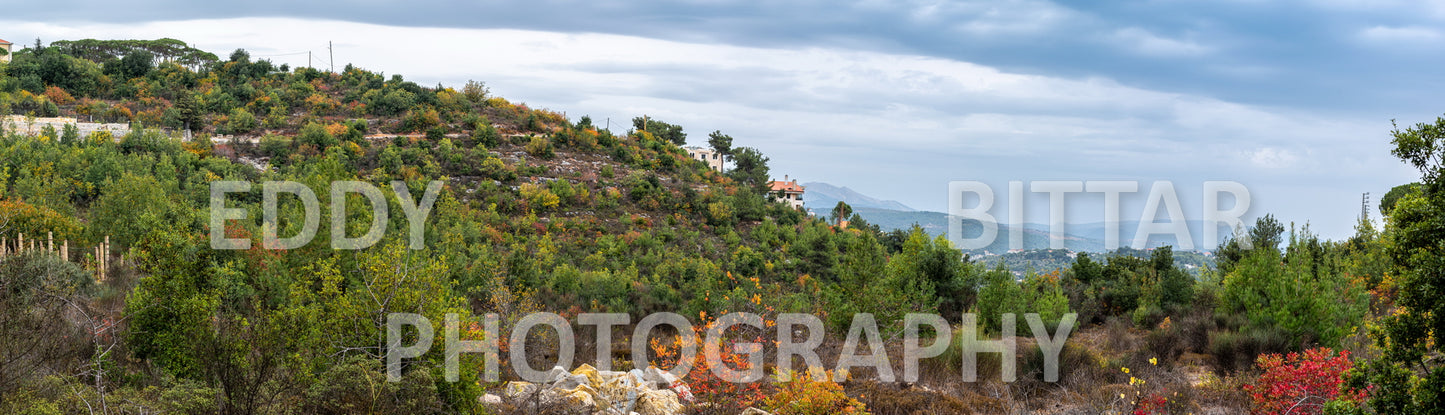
895, 99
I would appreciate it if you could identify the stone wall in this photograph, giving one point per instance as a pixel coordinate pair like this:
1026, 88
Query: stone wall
33, 126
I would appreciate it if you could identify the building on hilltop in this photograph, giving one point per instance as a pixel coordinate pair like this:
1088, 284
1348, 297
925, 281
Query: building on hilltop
712, 158
788, 191
6, 46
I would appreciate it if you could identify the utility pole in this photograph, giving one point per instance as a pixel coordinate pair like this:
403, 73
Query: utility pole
308, 59
331, 54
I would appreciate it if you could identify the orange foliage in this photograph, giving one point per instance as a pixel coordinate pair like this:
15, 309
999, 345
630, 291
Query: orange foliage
707, 388
58, 96
336, 129
321, 103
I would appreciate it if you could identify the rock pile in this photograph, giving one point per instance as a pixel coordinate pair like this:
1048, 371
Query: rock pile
640, 392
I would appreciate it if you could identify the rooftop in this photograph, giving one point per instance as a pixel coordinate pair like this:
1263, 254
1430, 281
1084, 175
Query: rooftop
792, 186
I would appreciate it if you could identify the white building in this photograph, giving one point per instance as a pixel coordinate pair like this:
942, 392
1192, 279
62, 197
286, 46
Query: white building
706, 155
788, 191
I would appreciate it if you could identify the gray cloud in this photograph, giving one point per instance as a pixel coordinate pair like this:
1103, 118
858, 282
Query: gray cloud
1310, 46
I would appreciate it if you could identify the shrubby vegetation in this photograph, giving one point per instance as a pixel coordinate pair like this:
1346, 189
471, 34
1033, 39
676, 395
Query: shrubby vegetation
649, 230
540, 213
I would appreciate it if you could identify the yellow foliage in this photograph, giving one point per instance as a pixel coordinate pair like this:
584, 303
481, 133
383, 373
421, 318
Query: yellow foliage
539, 196
36, 221
321, 103
336, 129
809, 395
498, 102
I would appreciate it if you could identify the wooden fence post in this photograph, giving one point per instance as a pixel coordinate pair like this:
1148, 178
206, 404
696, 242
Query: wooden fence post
105, 255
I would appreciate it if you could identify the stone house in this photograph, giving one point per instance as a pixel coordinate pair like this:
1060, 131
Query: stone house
706, 155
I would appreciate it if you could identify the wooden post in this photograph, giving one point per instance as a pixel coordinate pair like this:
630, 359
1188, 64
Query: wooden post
99, 264
105, 258
65, 250
51, 237
20, 244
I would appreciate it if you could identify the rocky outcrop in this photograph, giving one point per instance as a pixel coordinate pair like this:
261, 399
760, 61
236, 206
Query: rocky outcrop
641, 392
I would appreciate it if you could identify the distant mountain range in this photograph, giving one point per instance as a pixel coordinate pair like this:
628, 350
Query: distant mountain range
821, 197
888, 215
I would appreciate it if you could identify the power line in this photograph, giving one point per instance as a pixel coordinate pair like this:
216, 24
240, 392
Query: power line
282, 54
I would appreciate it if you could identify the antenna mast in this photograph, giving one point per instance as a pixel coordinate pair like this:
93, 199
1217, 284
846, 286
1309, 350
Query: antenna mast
1365, 206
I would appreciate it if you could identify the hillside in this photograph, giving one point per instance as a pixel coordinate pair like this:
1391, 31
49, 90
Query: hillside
155, 289
535, 212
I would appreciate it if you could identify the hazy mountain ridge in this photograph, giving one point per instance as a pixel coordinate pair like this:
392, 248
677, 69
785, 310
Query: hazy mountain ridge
821, 197
1085, 237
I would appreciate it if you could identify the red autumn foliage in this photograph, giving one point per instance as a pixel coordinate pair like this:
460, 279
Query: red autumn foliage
715, 393
1302, 383
1151, 405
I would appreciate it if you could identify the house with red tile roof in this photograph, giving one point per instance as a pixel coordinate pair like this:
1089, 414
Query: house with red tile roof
788, 191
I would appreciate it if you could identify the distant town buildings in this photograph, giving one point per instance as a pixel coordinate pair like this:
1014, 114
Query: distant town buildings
707, 155
4, 44
789, 191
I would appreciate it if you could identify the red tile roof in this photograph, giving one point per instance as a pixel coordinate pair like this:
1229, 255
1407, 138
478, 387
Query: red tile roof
786, 186
4, 42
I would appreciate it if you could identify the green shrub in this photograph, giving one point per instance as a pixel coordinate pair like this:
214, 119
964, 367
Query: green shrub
1301, 294
1000, 295
1165, 344
1078, 366
541, 148
1234, 351
315, 134
359, 386
241, 122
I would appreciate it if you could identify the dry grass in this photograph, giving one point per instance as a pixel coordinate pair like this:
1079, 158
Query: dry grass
889, 399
